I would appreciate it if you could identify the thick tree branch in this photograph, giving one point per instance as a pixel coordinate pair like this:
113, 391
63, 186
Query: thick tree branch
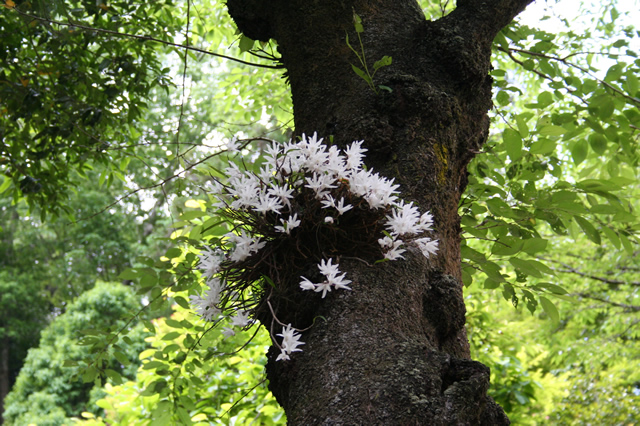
486, 18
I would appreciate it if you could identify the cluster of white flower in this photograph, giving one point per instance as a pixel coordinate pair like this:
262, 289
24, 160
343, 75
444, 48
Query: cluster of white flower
332, 278
337, 180
290, 342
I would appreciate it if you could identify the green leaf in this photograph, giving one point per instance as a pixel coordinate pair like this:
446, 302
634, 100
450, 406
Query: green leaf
122, 358
182, 302
361, 74
550, 309
543, 146
154, 365
492, 270
129, 274
384, 62
508, 292
246, 43
579, 151
467, 278
598, 143
173, 323
526, 266
172, 335
184, 417
115, 377
553, 288
173, 253
632, 84
149, 326
89, 374
523, 129
545, 99
507, 246
490, 284
590, 230
513, 144
534, 245
626, 244
190, 215
612, 236
357, 23
503, 98
551, 130
6, 183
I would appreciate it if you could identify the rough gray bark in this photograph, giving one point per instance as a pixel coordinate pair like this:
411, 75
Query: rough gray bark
394, 350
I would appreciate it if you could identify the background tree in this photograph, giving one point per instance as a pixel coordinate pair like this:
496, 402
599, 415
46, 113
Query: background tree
46, 393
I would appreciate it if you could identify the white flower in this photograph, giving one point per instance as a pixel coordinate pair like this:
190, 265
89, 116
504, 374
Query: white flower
328, 219
283, 356
395, 253
327, 269
428, 246
305, 284
282, 193
329, 202
339, 281
290, 342
377, 191
386, 242
391, 247
333, 278
289, 224
342, 208
245, 189
323, 287
206, 307
320, 183
233, 145
210, 261
404, 220
228, 332
244, 245
267, 204
241, 319
354, 155
335, 163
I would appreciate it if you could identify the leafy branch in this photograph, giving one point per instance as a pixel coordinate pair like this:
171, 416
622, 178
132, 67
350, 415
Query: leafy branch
364, 72
144, 38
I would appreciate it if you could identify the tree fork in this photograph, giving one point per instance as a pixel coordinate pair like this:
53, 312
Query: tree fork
393, 350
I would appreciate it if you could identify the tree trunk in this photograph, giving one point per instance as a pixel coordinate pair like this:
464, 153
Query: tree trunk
394, 350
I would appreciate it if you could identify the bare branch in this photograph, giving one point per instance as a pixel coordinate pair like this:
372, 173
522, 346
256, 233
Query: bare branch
627, 308
568, 269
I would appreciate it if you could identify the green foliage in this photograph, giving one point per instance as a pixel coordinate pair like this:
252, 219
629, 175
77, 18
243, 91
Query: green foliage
48, 389
183, 384
68, 92
562, 161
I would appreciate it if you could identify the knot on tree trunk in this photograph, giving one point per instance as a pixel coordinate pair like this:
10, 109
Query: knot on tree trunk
464, 386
